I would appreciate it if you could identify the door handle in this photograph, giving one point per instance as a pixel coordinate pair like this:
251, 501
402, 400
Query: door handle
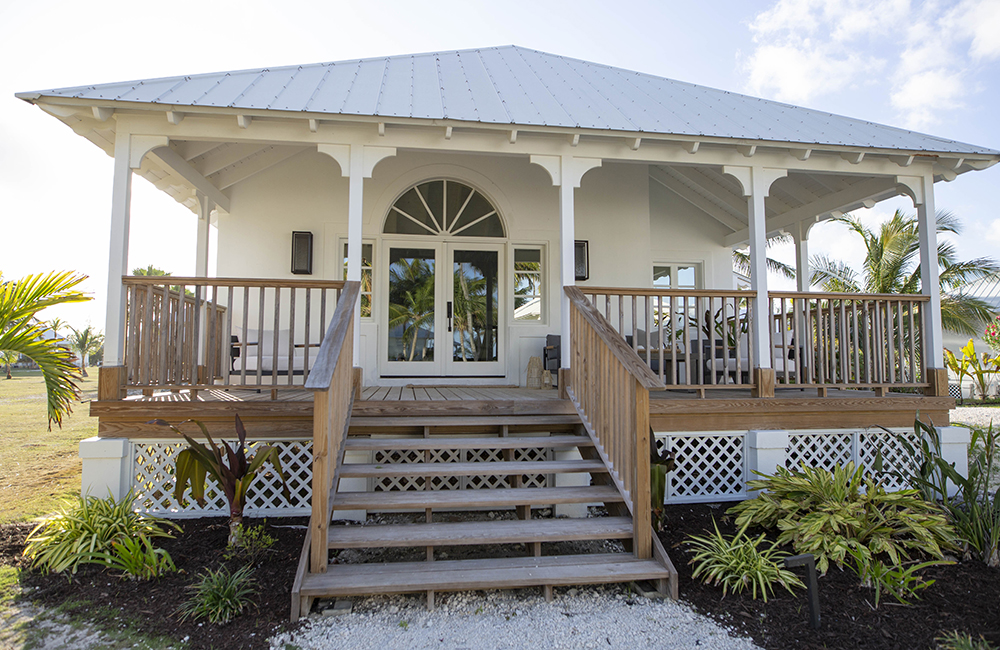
449, 315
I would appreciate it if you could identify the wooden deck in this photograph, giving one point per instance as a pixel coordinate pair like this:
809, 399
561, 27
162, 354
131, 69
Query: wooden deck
290, 414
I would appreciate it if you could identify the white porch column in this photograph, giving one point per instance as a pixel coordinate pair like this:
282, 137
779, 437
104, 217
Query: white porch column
756, 183
566, 173
205, 207
356, 164
921, 190
121, 199
800, 234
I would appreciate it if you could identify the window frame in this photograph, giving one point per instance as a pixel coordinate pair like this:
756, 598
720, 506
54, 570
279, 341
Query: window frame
699, 276
342, 248
543, 289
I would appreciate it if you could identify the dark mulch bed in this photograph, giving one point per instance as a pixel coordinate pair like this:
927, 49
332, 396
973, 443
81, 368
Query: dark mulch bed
151, 607
965, 597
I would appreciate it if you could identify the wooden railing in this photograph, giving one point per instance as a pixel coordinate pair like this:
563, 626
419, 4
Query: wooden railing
609, 386
847, 340
689, 338
333, 386
205, 332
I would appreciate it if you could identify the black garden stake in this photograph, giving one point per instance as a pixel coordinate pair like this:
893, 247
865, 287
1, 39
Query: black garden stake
809, 562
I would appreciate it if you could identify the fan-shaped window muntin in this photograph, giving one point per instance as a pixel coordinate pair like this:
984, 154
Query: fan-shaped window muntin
443, 208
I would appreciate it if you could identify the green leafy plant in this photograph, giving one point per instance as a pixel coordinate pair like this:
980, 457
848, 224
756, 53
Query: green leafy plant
829, 514
232, 470
136, 557
252, 544
901, 582
971, 364
962, 641
970, 507
219, 595
85, 527
738, 563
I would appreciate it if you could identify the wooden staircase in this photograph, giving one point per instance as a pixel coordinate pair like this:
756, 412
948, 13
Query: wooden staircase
440, 466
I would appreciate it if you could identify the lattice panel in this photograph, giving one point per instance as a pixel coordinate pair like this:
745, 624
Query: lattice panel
894, 455
476, 482
825, 450
709, 467
153, 481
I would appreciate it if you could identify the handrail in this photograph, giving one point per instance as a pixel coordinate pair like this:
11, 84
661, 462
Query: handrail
616, 344
609, 386
907, 297
142, 280
333, 342
332, 383
678, 293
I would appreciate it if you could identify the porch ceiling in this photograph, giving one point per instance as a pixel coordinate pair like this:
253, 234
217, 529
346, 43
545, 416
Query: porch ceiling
800, 197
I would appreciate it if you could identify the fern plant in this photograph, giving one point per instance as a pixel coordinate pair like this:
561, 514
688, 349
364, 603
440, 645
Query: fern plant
739, 563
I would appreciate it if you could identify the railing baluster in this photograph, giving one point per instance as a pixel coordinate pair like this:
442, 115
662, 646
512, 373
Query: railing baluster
276, 335
291, 336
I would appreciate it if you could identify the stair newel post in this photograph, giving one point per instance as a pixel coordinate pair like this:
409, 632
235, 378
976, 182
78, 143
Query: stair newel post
320, 520
641, 497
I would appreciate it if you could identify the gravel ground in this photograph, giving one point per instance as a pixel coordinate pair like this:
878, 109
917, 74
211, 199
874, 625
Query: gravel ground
977, 416
590, 617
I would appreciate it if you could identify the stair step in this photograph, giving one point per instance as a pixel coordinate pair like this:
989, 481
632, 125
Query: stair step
480, 532
496, 468
462, 575
496, 498
448, 442
531, 422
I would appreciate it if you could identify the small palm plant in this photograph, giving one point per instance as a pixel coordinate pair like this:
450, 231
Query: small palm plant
87, 341
229, 466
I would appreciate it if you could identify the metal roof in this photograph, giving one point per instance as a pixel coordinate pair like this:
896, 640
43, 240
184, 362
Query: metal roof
518, 87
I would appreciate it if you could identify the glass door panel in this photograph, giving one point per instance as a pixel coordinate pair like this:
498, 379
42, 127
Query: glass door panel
411, 310
474, 306
474, 311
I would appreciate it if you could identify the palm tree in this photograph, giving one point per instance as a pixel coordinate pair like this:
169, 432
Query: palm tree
22, 333
741, 259
87, 342
892, 266
8, 357
411, 298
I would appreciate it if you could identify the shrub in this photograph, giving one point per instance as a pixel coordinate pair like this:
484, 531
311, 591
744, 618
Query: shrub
252, 543
85, 527
962, 641
740, 562
973, 512
830, 514
137, 558
219, 595
901, 582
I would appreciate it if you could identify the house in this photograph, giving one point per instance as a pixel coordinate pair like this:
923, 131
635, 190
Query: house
397, 237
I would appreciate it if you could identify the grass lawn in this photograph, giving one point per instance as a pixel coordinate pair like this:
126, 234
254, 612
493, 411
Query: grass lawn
37, 466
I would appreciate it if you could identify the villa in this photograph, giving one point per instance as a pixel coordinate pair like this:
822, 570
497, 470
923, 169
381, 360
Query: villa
398, 237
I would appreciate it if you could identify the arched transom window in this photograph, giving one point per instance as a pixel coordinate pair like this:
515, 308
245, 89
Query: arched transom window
443, 207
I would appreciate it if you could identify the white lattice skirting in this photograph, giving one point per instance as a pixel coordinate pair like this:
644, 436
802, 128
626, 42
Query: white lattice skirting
715, 466
712, 466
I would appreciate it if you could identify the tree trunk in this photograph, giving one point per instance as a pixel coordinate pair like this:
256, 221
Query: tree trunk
235, 522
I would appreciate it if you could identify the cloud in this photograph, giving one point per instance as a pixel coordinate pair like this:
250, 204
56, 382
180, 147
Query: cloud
926, 49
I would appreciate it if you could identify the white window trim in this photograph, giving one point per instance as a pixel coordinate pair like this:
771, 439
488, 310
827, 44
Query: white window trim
542, 247
699, 273
343, 241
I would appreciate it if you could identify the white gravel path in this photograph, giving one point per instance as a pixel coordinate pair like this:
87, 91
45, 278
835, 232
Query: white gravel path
590, 617
977, 416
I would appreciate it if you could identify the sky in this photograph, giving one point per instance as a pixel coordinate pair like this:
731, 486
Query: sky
932, 66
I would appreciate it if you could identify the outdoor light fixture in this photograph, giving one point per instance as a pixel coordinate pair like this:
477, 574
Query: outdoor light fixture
809, 562
302, 252
581, 260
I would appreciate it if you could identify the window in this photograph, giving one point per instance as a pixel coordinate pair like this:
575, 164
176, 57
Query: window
443, 207
528, 284
366, 277
676, 276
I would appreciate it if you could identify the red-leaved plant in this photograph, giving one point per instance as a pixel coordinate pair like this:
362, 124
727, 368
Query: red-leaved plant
229, 466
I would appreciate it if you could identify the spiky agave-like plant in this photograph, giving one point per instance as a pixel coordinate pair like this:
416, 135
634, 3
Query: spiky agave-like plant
229, 466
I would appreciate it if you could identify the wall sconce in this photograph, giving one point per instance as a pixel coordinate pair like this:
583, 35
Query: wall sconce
302, 253
581, 260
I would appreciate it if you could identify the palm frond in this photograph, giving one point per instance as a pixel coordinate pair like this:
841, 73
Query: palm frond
833, 275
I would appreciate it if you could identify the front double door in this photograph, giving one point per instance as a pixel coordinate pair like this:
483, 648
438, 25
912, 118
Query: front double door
443, 309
